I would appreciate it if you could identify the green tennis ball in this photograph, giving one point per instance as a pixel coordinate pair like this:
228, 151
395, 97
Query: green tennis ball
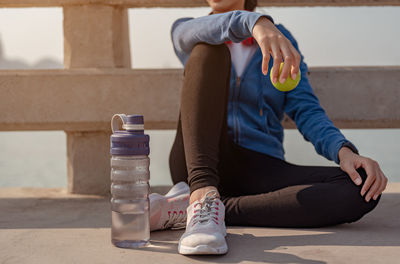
289, 83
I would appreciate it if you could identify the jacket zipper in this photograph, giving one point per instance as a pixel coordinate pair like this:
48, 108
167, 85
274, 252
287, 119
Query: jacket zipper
235, 99
236, 109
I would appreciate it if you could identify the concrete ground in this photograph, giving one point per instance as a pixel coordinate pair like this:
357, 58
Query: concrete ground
51, 226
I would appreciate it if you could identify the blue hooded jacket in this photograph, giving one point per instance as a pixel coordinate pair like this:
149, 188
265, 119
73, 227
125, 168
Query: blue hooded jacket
255, 107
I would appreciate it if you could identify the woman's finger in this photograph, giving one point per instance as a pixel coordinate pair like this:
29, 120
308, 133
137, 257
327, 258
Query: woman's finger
374, 187
371, 176
296, 62
288, 61
351, 171
382, 187
265, 49
277, 56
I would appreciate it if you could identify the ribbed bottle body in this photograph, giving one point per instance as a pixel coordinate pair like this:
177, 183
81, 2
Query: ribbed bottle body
129, 200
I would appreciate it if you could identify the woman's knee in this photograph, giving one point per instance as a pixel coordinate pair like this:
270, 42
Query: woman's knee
356, 205
204, 54
361, 208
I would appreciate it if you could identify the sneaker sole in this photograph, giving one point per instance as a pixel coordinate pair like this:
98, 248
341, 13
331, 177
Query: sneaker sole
202, 250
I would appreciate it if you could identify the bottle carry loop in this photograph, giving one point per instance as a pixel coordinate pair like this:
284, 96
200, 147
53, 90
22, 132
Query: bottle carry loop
118, 118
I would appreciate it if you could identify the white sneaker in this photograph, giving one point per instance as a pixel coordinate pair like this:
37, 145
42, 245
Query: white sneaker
169, 211
205, 227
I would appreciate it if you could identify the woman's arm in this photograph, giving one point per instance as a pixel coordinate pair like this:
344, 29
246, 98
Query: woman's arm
304, 108
236, 26
212, 29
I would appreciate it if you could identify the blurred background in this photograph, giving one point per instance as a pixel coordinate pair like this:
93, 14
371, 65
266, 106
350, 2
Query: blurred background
327, 36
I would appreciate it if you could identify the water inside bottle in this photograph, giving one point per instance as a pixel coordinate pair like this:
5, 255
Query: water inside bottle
129, 203
128, 226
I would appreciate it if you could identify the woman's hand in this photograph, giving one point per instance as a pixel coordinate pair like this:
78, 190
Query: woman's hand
271, 40
376, 181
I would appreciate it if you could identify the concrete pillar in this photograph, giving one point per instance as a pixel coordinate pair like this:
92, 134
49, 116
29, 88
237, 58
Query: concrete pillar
88, 162
95, 36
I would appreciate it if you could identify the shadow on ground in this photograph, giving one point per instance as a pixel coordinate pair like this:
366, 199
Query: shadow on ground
379, 228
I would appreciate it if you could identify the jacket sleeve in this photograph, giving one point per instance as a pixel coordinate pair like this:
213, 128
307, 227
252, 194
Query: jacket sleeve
303, 107
212, 29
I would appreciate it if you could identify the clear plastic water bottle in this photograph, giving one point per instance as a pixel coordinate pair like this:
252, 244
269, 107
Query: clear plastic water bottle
129, 182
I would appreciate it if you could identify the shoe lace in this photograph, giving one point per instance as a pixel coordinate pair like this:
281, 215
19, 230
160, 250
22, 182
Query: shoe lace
208, 209
176, 220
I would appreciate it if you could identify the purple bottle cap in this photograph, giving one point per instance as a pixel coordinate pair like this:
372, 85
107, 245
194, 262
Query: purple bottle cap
131, 140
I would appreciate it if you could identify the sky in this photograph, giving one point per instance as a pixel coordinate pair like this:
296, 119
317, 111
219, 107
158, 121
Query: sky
327, 36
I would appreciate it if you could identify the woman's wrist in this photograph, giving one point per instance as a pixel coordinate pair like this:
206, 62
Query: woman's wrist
345, 151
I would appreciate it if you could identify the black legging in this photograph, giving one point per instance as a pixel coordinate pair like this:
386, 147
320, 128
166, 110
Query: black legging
256, 189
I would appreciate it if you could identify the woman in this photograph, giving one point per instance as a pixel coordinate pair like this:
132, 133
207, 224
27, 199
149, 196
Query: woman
228, 146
